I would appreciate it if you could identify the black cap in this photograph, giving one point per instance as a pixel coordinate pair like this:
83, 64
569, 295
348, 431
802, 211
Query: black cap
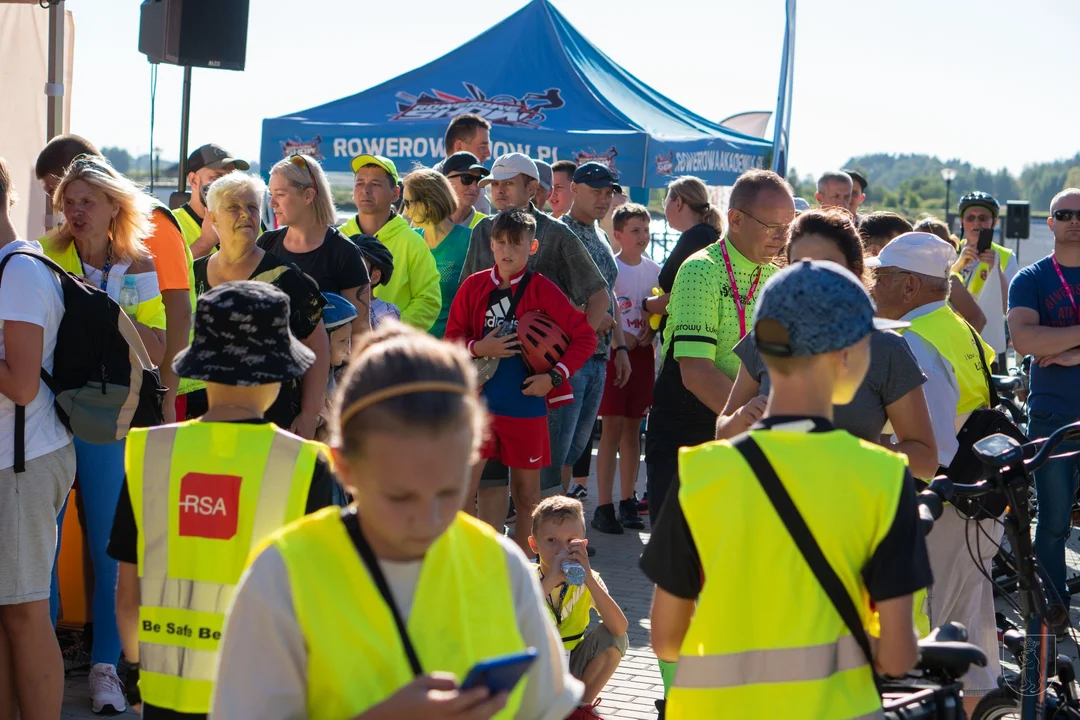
214, 157
463, 162
857, 177
596, 175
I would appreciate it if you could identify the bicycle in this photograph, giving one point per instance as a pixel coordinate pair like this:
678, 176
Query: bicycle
1044, 687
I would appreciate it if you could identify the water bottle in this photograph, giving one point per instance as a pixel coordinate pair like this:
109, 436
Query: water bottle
129, 296
575, 574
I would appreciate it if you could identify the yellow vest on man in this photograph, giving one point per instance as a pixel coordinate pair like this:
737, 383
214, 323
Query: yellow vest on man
190, 227
203, 495
777, 641
951, 336
462, 613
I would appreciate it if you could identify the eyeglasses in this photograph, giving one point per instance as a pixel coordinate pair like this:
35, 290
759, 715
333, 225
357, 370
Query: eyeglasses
773, 230
466, 178
299, 161
1066, 215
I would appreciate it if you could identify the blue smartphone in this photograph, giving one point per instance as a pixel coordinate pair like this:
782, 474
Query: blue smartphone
500, 674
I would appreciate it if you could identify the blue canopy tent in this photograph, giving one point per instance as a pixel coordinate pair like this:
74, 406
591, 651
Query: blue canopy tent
569, 101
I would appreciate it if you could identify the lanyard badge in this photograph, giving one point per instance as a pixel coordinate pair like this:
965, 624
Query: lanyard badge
740, 307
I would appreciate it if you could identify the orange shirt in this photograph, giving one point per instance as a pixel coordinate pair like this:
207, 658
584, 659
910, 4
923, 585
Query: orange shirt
167, 246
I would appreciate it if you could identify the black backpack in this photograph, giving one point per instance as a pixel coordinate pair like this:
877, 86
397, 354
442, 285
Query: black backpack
103, 381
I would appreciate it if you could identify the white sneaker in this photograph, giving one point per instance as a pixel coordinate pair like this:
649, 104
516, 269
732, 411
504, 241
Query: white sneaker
106, 691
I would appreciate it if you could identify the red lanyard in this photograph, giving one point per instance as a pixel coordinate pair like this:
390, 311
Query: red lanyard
1068, 290
739, 306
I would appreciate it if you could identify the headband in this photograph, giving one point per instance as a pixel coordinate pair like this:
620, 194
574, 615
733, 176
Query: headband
409, 388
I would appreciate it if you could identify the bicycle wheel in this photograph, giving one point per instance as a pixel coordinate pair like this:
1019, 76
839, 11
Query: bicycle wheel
999, 704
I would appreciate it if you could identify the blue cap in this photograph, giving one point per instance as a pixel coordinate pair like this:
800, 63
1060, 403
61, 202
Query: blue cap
337, 311
596, 175
814, 307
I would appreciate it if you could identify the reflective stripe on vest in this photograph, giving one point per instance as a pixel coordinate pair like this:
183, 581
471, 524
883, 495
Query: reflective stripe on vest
779, 642
462, 612
209, 493
951, 336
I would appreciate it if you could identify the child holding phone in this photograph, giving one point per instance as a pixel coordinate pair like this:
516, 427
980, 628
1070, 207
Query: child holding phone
558, 536
379, 611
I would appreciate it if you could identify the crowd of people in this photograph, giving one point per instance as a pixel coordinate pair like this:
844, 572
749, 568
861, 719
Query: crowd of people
356, 413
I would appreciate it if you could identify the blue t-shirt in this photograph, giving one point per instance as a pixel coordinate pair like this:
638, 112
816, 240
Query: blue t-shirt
503, 391
1054, 389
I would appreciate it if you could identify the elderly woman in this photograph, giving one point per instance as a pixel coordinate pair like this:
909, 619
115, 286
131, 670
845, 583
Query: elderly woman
235, 205
106, 220
430, 205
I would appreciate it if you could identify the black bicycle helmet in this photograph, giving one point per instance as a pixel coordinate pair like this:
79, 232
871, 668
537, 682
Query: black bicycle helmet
377, 255
980, 199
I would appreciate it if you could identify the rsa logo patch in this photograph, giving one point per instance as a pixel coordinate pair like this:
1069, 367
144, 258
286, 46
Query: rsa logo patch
209, 505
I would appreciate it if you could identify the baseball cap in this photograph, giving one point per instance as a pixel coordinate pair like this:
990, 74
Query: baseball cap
814, 307
509, 166
918, 252
544, 169
857, 177
462, 162
598, 176
385, 163
214, 157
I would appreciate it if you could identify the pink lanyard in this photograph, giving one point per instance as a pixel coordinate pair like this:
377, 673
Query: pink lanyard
1068, 290
735, 288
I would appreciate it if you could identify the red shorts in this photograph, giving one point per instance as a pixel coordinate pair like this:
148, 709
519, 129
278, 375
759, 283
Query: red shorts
517, 442
635, 398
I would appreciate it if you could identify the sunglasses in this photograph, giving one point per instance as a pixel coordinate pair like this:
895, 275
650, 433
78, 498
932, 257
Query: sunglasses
466, 178
299, 161
1066, 215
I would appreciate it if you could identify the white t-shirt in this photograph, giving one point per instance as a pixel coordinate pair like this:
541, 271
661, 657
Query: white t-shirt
30, 293
635, 282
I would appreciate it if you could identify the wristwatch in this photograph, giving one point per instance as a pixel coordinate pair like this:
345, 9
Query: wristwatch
556, 378
624, 348
644, 304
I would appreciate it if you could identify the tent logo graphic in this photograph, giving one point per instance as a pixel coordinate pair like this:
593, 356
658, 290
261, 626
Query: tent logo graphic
665, 165
526, 111
604, 158
302, 147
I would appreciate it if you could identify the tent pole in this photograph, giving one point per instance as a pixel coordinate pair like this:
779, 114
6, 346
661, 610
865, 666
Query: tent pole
185, 119
54, 87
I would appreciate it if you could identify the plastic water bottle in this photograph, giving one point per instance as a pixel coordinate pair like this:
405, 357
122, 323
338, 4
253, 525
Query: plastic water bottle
129, 296
575, 574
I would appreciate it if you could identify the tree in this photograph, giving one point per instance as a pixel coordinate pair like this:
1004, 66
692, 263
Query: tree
1072, 180
119, 157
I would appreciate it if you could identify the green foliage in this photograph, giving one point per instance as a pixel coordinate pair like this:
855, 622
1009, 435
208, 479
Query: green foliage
119, 157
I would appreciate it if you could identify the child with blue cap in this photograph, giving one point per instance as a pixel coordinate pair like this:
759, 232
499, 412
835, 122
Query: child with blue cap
338, 315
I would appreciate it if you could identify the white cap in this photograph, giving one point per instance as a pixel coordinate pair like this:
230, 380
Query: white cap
509, 166
917, 252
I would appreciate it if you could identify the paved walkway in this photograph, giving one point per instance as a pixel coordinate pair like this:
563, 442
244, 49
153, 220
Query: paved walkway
636, 685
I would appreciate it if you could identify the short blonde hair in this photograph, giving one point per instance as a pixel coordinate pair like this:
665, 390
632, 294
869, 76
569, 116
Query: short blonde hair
6, 190
132, 224
232, 186
300, 171
557, 507
433, 193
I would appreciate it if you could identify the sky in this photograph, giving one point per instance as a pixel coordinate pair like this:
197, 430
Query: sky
968, 79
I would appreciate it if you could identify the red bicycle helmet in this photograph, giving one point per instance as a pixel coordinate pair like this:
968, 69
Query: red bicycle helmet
542, 341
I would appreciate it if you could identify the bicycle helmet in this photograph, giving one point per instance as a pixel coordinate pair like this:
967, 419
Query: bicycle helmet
980, 199
377, 255
337, 311
543, 342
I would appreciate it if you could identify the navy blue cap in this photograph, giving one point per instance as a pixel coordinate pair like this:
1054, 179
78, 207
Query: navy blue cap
596, 175
462, 162
814, 307
337, 311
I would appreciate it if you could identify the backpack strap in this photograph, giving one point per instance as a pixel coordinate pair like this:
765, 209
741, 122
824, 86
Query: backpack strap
994, 399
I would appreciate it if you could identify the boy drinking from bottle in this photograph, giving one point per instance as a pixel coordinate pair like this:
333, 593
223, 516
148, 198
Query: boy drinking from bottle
558, 538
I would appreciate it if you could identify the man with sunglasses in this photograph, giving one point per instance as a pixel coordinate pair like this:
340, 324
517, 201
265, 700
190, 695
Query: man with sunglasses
465, 172
1044, 321
414, 287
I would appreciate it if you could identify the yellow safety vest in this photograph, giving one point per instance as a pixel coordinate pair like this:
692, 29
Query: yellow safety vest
203, 495
189, 226
951, 336
573, 618
462, 613
982, 271
778, 641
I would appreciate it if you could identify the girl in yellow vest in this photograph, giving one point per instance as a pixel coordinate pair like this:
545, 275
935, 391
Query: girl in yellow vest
380, 610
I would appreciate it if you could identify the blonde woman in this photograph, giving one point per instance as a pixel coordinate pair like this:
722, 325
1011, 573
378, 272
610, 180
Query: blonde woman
235, 205
430, 205
106, 220
304, 208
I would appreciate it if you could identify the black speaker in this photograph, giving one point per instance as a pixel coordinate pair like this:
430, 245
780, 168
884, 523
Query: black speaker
199, 33
1018, 220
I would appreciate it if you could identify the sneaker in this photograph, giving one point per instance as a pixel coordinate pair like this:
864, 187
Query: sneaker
578, 491
628, 515
106, 691
642, 504
604, 520
586, 712
1060, 622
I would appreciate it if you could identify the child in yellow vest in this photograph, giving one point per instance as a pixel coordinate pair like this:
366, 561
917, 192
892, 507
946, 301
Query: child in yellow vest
558, 536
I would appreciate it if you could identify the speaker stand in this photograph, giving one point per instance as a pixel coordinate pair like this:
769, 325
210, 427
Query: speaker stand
185, 119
